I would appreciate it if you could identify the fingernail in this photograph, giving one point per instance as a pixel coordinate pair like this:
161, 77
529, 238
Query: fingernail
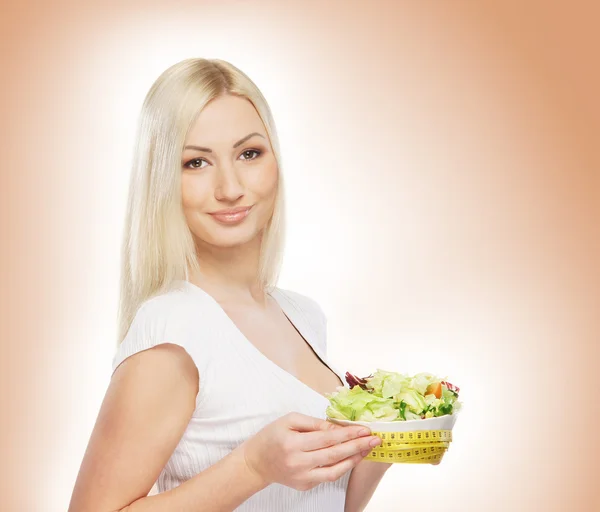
375, 442
364, 432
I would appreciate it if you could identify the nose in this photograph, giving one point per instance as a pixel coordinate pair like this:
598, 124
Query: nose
228, 187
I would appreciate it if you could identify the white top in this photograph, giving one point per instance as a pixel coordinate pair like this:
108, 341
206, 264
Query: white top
241, 389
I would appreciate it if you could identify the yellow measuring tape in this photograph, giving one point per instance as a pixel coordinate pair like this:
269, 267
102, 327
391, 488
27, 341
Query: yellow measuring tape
415, 447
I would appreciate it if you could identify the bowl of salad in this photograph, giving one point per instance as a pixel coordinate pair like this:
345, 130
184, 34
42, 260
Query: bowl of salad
413, 414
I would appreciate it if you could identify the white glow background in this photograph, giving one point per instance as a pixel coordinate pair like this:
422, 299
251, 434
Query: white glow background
442, 184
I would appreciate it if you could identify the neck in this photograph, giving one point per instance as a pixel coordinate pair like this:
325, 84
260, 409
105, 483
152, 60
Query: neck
230, 274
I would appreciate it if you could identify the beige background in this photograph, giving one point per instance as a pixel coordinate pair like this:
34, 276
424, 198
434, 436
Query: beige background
442, 161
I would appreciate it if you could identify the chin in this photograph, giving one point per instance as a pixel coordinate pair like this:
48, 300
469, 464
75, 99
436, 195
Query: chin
231, 239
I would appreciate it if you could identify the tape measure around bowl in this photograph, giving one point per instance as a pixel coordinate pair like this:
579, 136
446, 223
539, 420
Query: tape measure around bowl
415, 436
423, 446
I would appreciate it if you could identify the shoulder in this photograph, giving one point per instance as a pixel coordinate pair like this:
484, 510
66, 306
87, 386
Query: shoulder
177, 298
179, 308
176, 317
310, 310
304, 303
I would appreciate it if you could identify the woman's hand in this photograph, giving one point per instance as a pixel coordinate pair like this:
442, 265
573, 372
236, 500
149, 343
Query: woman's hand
303, 451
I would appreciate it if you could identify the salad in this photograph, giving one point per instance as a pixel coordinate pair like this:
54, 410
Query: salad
391, 396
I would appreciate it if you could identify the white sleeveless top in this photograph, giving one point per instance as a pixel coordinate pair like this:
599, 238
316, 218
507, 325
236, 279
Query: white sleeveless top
241, 390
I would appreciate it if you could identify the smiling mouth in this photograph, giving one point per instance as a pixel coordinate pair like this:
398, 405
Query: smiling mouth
231, 218
229, 211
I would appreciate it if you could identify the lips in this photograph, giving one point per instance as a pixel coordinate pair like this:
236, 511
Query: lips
232, 218
232, 211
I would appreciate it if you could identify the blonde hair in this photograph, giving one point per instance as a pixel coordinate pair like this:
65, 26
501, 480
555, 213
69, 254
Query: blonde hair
158, 247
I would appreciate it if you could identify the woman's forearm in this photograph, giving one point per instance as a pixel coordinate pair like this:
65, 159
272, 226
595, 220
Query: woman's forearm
364, 479
208, 491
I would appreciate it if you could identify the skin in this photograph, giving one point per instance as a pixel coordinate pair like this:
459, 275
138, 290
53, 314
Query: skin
229, 177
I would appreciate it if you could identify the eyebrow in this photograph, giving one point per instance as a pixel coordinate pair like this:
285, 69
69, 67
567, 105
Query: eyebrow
241, 141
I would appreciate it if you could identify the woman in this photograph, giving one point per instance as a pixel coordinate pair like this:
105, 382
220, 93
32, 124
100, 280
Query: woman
218, 386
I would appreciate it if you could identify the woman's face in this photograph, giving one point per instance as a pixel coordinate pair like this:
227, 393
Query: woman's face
228, 162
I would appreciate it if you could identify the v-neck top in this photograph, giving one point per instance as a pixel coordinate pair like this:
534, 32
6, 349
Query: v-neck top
241, 390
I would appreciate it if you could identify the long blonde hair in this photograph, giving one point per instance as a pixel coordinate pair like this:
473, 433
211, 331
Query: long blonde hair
158, 247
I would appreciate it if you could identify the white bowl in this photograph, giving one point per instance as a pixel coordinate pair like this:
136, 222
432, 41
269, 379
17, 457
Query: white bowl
445, 422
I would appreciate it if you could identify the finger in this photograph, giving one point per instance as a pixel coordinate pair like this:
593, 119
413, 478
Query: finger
316, 440
339, 426
330, 425
363, 454
334, 471
304, 423
333, 454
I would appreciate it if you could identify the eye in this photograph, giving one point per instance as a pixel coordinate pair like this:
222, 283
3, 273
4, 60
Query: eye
258, 153
194, 161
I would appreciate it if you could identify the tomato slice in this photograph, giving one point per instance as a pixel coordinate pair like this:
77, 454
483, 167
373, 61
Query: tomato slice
435, 388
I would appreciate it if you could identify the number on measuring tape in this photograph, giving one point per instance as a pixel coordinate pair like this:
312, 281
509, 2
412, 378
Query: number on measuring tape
424, 446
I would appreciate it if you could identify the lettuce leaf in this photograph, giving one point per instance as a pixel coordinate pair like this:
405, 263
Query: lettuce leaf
392, 396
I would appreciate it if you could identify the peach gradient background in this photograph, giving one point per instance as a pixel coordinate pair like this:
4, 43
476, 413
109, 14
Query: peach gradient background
442, 161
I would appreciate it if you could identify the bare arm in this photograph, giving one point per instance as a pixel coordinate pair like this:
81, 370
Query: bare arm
364, 479
145, 412
209, 491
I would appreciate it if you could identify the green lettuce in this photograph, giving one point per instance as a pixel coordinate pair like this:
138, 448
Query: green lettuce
392, 396
357, 404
